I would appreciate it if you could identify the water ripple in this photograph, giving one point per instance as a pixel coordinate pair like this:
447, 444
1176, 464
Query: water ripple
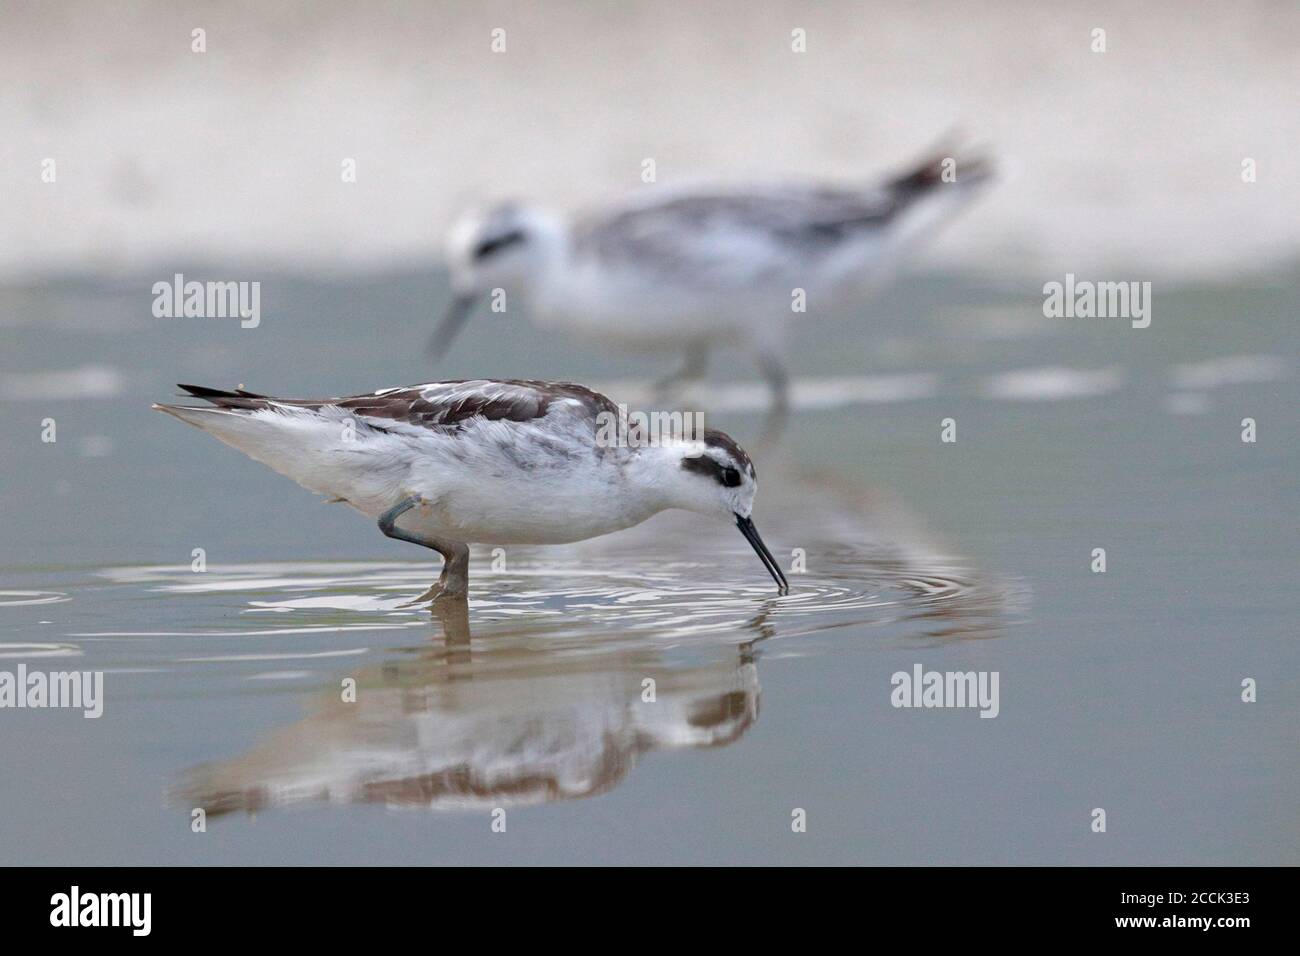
20, 598
634, 600
27, 650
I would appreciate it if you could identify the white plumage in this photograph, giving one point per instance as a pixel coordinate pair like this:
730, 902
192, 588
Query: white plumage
448, 464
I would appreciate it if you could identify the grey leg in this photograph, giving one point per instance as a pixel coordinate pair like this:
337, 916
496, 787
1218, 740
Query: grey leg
692, 370
778, 380
454, 580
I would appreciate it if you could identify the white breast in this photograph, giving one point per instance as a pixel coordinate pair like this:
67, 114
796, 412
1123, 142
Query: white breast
512, 483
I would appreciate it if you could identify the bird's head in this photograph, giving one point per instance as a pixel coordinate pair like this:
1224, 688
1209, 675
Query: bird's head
715, 477
505, 247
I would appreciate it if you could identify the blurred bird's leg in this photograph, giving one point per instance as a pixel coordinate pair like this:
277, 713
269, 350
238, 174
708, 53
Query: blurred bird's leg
692, 370
778, 382
453, 583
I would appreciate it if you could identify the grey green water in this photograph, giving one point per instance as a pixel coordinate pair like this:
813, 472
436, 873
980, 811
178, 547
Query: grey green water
224, 688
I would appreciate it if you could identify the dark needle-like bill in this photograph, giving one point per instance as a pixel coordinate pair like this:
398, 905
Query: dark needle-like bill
746, 526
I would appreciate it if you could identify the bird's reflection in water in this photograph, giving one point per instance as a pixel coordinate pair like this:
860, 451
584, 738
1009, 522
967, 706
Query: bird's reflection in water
460, 727
577, 669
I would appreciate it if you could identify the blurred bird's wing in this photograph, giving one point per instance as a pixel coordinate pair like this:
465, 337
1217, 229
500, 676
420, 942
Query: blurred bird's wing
735, 238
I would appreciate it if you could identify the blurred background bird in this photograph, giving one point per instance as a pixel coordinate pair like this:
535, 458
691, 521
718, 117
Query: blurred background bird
690, 269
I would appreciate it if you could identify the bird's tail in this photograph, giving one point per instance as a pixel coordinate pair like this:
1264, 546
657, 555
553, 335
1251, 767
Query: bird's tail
947, 164
305, 442
229, 416
932, 193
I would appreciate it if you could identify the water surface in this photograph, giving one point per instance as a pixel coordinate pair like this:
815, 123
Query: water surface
224, 688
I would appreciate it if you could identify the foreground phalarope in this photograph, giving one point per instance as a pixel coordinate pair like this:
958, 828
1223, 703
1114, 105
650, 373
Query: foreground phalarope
685, 270
449, 464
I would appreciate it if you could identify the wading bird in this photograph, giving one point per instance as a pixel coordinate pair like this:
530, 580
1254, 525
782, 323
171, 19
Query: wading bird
449, 464
684, 270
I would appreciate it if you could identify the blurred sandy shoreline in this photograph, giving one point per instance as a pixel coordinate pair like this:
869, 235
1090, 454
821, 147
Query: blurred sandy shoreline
1127, 160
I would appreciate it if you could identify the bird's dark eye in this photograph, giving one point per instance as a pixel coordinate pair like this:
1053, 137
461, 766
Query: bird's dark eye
490, 246
729, 477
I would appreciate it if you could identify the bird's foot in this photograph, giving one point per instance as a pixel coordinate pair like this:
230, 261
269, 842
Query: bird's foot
442, 593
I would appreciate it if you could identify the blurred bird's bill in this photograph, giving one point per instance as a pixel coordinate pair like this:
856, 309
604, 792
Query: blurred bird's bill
458, 313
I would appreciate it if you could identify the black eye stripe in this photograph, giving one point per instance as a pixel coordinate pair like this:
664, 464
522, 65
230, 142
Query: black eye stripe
725, 475
488, 246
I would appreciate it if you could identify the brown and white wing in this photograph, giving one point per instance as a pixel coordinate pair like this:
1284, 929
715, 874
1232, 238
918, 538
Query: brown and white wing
443, 407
